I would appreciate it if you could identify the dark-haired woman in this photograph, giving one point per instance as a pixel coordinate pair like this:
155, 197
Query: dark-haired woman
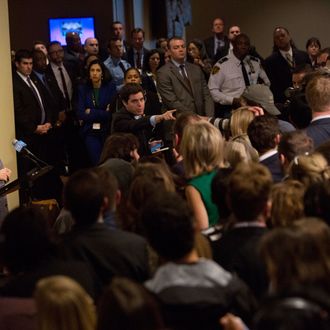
153, 60
94, 98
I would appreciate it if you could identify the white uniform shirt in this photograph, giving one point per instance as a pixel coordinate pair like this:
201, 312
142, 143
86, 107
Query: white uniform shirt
227, 82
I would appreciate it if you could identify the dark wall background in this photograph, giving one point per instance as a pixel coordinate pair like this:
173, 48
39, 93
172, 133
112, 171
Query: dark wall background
258, 18
28, 19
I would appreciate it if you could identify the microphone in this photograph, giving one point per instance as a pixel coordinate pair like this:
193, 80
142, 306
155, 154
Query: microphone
21, 147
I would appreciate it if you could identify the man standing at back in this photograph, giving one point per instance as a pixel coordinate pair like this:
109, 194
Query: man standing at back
182, 85
219, 42
114, 63
136, 53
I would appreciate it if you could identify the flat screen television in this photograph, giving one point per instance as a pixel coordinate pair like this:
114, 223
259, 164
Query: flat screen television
58, 27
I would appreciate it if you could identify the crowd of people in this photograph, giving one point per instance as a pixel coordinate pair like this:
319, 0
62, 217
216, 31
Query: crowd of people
193, 182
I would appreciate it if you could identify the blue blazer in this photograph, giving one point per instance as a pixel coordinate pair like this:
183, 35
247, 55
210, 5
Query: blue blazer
98, 113
319, 131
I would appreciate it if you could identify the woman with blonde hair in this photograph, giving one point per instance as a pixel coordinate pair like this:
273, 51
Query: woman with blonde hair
238, 148
62, 304
309, 169
202, 150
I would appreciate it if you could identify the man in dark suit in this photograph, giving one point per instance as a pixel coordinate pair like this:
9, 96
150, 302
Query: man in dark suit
237, 251
109, 252
66, 76
318, 98
136, 52
281, 62
33, 119
218, 43
182, 85
132, 119
264, 134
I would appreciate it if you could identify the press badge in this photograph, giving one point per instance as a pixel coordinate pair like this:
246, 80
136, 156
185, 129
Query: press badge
96, 126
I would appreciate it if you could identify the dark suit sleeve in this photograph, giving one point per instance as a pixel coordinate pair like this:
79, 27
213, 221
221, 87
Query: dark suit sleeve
25, 125
123, 122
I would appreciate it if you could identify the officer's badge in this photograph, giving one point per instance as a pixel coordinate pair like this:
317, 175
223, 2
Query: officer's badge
215, 69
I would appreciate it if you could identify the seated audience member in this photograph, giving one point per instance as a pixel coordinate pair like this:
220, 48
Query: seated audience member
318, 98
220, 185
128, 305
261, 96
313, 47
131, 119
109, 252
324, 150
237, 251
196, 54
316, 200
94, 100
301, 265
182, 120
202, 150
153, 60
264, 135
121, 145
309, 169
287, 199
296, 108
291, 313
239, 147
148, 179
18, 313
194, 292
280, 63
29, 253
294, 144
63, 304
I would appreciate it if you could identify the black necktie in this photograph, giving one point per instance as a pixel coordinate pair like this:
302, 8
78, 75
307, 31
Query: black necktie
65, 88
121, 65
245, 75
184, 75
138, 59
42, 109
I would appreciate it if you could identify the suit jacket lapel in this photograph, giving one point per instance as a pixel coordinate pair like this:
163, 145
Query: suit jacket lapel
176, 72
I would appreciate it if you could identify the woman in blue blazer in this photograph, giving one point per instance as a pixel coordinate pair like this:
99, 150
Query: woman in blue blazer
94, 98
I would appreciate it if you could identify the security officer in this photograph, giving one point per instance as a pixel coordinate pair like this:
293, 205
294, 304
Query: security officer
233, 73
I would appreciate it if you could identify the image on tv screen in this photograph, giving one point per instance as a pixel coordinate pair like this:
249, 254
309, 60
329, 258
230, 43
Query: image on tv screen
58, 27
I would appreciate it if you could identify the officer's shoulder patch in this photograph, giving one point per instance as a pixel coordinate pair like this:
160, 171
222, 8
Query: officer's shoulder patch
215, 69
222, 60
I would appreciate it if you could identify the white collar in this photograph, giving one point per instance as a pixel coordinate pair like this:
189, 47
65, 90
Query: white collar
320, 117
284, 52
268, 154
